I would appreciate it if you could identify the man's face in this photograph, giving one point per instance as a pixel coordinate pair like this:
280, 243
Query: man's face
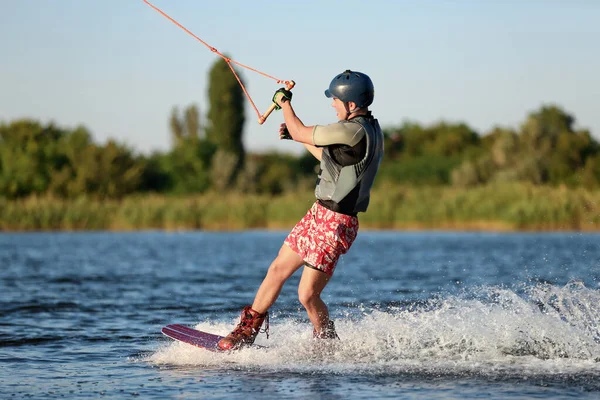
340, 109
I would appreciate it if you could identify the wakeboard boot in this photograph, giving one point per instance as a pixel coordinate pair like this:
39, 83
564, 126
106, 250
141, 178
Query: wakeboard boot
327, 332
246, 330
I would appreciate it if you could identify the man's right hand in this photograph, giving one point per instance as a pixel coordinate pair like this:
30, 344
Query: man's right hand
281, 96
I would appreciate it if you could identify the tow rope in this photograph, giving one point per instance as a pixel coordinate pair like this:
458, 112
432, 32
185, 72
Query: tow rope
261, 117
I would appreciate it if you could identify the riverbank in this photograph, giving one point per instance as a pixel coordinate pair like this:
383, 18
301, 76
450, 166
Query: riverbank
500, 207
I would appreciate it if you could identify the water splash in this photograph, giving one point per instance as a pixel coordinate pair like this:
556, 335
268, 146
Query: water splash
542, 329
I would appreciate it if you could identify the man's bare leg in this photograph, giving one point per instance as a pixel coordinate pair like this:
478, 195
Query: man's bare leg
285, 264
311, 285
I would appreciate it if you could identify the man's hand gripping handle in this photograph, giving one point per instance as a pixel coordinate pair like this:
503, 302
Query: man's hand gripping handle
263, 118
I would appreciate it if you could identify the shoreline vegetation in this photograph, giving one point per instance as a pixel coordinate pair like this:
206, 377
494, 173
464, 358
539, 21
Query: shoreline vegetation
494, 207
542, 176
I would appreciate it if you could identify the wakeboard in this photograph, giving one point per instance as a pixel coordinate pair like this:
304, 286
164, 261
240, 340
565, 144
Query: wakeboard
194, 337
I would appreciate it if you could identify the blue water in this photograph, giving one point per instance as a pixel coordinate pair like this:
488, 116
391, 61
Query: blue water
420, 315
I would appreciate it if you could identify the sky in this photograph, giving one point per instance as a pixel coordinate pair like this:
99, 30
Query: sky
118, 67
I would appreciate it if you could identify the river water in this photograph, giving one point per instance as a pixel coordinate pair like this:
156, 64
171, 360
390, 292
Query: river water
420, 315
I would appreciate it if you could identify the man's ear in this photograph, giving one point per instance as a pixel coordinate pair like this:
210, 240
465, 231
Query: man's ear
352, 106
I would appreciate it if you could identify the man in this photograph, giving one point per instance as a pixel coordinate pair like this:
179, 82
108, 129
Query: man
350, 152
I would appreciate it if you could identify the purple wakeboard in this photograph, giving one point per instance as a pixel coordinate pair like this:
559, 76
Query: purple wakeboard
191, 336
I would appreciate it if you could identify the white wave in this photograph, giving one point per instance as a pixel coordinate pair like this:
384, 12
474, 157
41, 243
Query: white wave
543, 329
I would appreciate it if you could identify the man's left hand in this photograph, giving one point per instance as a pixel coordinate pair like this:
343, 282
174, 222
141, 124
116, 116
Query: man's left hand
284, 134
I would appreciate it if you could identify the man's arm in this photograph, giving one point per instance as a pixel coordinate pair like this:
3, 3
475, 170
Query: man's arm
284, 133
314, 150
300, 132
296, 128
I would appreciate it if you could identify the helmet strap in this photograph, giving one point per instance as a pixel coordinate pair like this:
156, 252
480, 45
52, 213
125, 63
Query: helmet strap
348, 112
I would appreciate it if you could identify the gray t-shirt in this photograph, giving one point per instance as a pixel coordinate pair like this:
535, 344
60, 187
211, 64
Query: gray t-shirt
342, 132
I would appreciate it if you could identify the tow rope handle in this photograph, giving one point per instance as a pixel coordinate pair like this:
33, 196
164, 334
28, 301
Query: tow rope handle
263, 118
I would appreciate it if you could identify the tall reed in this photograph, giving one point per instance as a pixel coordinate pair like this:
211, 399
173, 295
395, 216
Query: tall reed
493, 207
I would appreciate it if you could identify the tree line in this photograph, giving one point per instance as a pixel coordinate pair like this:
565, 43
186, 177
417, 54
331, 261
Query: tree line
208, 156
547, 149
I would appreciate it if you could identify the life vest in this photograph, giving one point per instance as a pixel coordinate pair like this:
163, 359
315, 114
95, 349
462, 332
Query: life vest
347, 189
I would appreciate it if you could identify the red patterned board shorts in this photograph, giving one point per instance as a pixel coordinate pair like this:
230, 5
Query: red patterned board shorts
322, 236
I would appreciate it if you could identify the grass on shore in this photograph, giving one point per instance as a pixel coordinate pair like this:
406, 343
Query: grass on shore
501, 207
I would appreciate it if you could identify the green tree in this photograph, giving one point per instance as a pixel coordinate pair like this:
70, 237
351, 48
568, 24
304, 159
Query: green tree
29, 154
188, 163
118, 172
450, 139
188, 166
156, 176
426, 155
275, 173
110, 171
177, 127
186, 128
226, 119
192, 123
71, 179
546, 150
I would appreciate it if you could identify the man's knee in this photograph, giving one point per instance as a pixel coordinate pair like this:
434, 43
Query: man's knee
280, 269
307, 296
276, 270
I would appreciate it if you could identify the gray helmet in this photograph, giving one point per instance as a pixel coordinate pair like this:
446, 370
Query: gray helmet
352, 86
